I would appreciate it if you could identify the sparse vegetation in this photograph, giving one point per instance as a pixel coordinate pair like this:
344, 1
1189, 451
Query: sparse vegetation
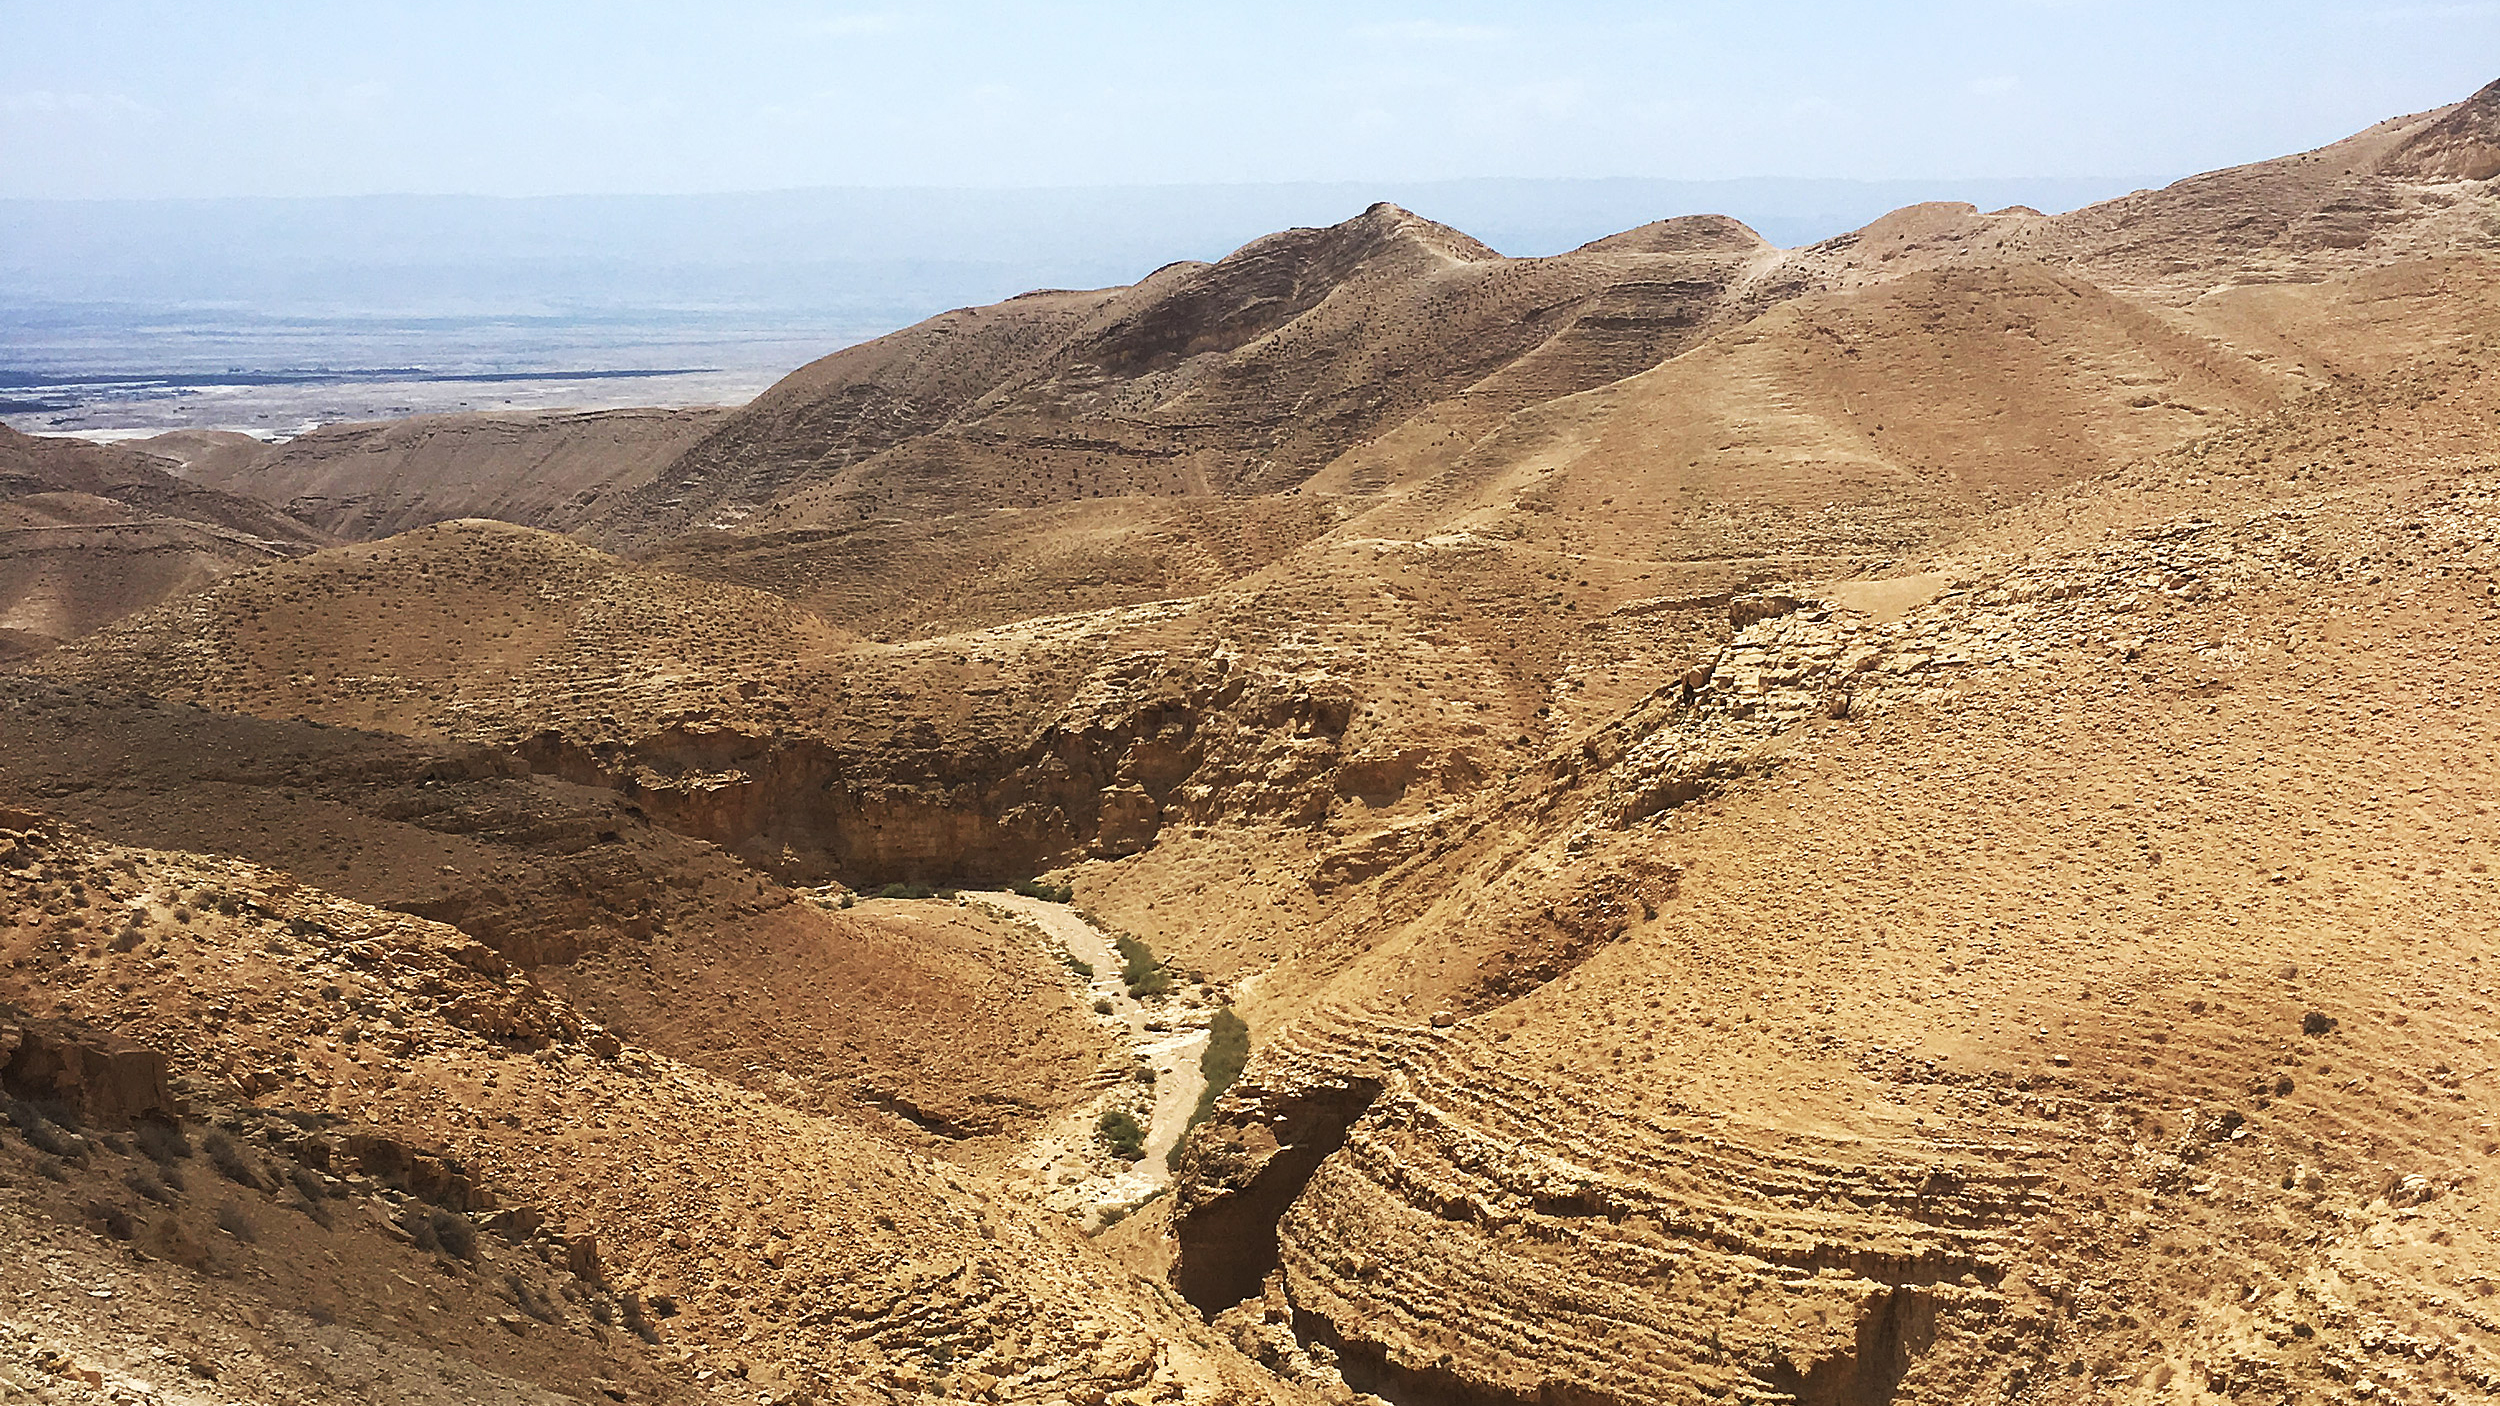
637, 1321
1227, 1052
531, 1299
307, 1183
1046, 891
233, 1220
161, 1140
147, 1186
46, 1135
1143, 974
1123, 1134
434, 1228
229, 1159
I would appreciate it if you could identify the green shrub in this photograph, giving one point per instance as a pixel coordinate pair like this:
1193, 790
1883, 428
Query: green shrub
434, 1228
1082, 969
1143, 975
1123, 1134
1046, 891
1228, 1049
907, 891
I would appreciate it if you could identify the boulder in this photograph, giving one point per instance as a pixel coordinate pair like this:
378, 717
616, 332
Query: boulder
101, 1077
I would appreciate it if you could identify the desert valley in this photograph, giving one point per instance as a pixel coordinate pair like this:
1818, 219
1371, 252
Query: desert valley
1909, 819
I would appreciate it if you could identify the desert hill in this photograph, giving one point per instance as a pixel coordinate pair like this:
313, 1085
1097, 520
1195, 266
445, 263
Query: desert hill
372, 480
2461, 143
203, 456
1905, 821
979, 408
89, 533
2111, 1018
1238, 377
1332, 353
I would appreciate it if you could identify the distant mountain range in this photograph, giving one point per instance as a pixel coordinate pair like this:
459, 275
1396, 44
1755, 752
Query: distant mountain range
518, 284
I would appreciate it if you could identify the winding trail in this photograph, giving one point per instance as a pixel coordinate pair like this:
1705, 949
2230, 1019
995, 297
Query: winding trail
1071, 1168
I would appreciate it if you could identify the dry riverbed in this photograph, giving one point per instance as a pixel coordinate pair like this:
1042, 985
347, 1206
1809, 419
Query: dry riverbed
1070, 1167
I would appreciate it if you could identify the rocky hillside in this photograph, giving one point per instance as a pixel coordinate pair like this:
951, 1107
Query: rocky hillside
1905, 821
1235, 378
314, 1148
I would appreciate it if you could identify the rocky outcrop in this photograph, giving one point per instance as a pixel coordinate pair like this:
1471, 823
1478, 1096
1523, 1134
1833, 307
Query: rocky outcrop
2463, 145
1149, 738
94, 1075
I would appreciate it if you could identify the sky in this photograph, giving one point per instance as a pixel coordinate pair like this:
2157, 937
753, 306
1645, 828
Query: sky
105, 98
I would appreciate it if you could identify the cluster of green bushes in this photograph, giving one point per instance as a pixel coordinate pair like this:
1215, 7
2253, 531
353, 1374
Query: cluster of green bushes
913, 891
1047, 891
1123, 1134
1143, 974
1228, 1049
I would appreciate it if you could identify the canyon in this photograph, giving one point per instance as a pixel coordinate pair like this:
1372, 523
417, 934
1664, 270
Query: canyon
1902, 820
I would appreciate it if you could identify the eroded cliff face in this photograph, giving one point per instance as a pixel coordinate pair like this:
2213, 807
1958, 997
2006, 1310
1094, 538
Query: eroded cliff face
1460, 1236
1149, 738
2008, 1031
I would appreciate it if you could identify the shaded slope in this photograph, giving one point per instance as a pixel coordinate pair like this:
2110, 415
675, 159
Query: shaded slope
362, 481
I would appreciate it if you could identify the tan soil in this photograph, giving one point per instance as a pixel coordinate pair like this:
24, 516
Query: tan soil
1903, 821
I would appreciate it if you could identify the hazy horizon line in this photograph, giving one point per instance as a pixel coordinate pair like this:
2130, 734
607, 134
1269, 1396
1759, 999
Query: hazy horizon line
2144, 181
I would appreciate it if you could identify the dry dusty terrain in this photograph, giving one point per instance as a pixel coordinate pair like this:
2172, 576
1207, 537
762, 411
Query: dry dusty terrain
1909, 820
545, 469
90, 533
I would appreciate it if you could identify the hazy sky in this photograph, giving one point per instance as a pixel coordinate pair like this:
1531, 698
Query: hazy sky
105, 98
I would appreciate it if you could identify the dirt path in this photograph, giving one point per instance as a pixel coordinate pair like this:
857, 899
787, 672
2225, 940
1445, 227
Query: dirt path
1071, 1169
